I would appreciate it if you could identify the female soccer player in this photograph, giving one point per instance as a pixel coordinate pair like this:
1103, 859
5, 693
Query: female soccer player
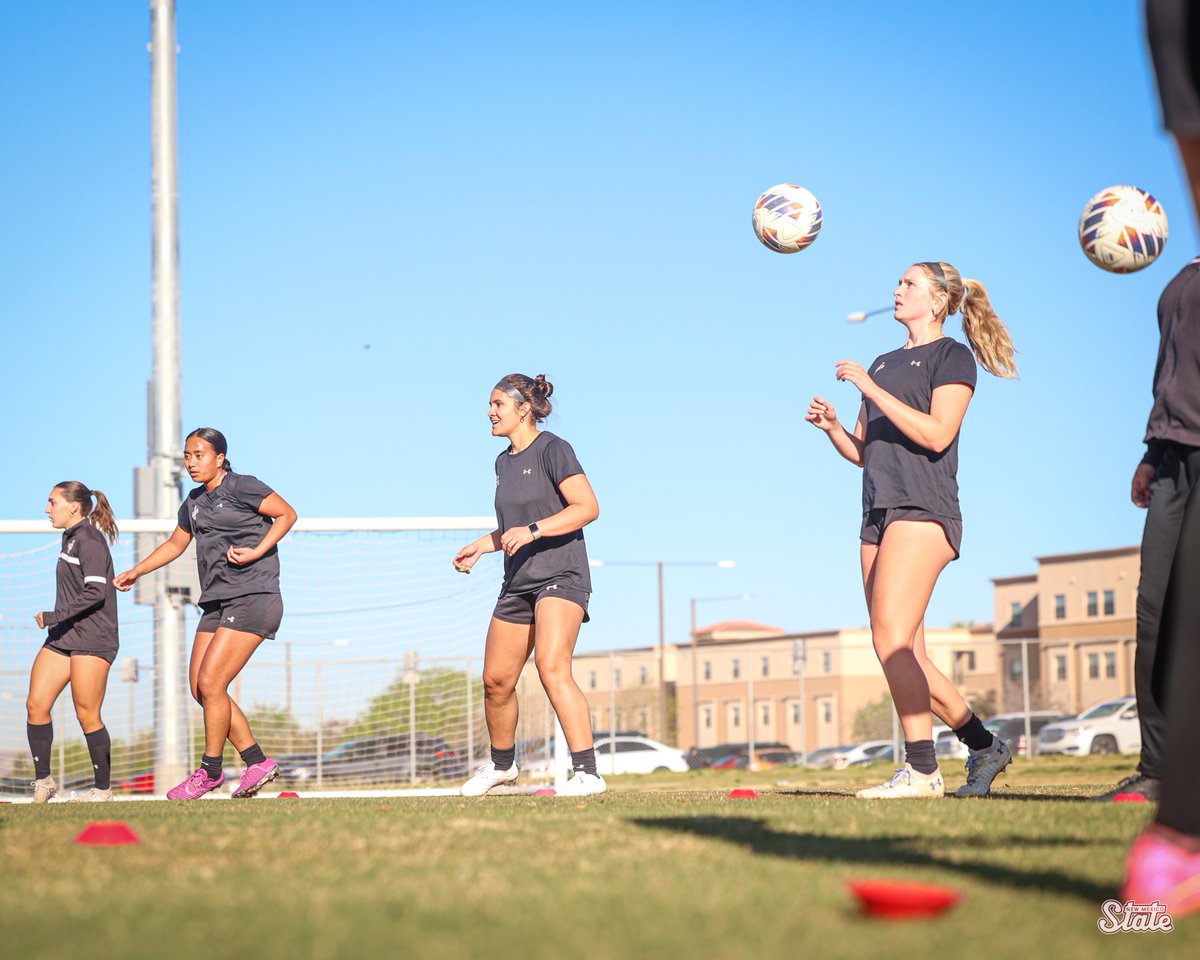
237, 521
82, 636
543, 502
906, 441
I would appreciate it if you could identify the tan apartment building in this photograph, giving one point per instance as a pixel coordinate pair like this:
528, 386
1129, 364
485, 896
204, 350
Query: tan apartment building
1077, 617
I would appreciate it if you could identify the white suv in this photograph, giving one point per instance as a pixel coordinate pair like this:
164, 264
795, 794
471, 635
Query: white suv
1108, 727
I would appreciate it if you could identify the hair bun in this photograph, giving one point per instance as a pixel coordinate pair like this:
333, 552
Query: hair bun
542, 386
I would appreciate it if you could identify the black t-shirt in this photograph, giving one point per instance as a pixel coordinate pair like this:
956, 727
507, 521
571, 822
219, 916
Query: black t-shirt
896, 471
527, 491
85, 604
228, 517
1175, 416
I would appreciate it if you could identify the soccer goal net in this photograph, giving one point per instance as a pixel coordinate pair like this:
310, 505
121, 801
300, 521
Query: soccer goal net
374, 679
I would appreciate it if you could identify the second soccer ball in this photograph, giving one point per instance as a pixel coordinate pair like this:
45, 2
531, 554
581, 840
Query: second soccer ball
787, 218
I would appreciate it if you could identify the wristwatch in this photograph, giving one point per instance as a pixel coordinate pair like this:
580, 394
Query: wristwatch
537, 534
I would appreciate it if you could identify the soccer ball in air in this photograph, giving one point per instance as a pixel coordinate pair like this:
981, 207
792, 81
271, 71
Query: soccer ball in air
1122, 229
787, 218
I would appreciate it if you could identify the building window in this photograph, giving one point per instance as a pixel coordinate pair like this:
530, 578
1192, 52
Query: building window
766, 666
1015, 615
765, 720
1110, 665
592, 679
1110, 603
1060, 606
1093, 604
617, 678
645, 676
707, 713
968, 658
737, 668
1015, 668
796, 714
1060, 668
707, 669
827, 662
735, 716
595, 719
827, 712
1093, 666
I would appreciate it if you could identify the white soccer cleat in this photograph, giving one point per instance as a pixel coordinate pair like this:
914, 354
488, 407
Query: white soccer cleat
983, 766
907, 784
487, 777
583, 785
95, 795
44, 789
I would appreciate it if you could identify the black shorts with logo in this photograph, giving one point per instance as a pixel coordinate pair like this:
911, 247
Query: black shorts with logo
519, 607
109, 655
257, 613
877, 520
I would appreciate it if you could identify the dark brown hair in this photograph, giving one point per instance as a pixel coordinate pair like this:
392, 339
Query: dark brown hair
216, 440
536, 392
101, 515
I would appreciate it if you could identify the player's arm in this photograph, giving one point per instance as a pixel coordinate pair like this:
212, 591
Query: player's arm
282, 516
164, 553
822, 415
581, 509
465, 559
93, 564
934, 430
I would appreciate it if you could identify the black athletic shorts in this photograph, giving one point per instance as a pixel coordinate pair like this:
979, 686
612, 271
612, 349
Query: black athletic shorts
876, 521
519, 607
257, 613
109, 655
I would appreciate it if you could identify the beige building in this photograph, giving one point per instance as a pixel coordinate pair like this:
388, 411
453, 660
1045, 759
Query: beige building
1077, 618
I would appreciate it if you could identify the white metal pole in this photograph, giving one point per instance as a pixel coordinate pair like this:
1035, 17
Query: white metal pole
612, 713
470, 720
750, 764
170, 677
1025, 696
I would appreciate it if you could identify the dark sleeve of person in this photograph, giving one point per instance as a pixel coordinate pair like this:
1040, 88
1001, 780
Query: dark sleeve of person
93, 562
251, 492
184, 519
955, 365
561, 461
1154, 454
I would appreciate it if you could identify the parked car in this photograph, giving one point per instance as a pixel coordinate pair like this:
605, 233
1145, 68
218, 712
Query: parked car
637, 755
823, 756
1108, 727
376, 760
860, 753
702, 757
1009, 727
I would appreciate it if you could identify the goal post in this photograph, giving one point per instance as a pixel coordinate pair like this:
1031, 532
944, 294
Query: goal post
372, 681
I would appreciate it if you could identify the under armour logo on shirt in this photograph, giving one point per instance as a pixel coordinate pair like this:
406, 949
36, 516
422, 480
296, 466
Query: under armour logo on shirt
229, 619
880, 367
195, 512
70, 546
527, 472
914, 363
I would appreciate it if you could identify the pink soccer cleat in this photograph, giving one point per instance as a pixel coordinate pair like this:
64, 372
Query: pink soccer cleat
1159, 869
195, 786
255, 777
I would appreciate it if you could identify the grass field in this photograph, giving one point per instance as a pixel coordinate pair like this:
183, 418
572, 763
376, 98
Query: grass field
665, 868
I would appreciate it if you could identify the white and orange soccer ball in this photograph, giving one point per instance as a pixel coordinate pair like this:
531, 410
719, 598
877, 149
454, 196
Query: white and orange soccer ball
787, 218
1122, 229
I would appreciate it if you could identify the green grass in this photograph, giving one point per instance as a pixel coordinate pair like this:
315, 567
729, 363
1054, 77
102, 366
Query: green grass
658, 868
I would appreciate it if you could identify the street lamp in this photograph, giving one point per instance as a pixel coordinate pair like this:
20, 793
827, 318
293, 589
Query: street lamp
863, 314
695, 653
662, 639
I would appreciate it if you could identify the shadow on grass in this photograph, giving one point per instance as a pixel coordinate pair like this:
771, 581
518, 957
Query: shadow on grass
883, 851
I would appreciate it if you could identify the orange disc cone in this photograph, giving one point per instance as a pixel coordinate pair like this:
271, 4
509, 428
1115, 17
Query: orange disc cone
107, 833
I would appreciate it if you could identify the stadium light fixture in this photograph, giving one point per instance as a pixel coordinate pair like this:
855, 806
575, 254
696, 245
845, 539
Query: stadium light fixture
863, 314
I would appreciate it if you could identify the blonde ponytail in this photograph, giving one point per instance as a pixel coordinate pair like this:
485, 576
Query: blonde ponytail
988, 337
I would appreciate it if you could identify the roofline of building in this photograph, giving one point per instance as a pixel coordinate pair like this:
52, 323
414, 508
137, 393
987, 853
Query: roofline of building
1089, 555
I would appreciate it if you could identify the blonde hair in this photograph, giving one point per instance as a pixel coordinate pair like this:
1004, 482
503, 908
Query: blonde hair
988, 337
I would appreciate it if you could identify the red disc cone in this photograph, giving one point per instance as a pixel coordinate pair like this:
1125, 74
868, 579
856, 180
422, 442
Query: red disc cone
546, 792
288, 795
743, 793
897, 899
107, 833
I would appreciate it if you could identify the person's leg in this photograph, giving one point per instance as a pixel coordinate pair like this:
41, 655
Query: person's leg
239, 727
89, 680
48, 678
507, 649
946, 702
227, 653
557, 631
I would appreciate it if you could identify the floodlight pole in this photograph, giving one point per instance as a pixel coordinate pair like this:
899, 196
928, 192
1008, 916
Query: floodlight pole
170, 676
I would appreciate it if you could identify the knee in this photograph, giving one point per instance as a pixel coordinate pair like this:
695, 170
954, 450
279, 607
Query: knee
208, 685
553, 671
496, 687
888, 641
196, 695
88, 716
37, 711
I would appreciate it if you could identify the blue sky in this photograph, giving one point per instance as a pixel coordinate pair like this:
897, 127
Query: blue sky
476, 189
